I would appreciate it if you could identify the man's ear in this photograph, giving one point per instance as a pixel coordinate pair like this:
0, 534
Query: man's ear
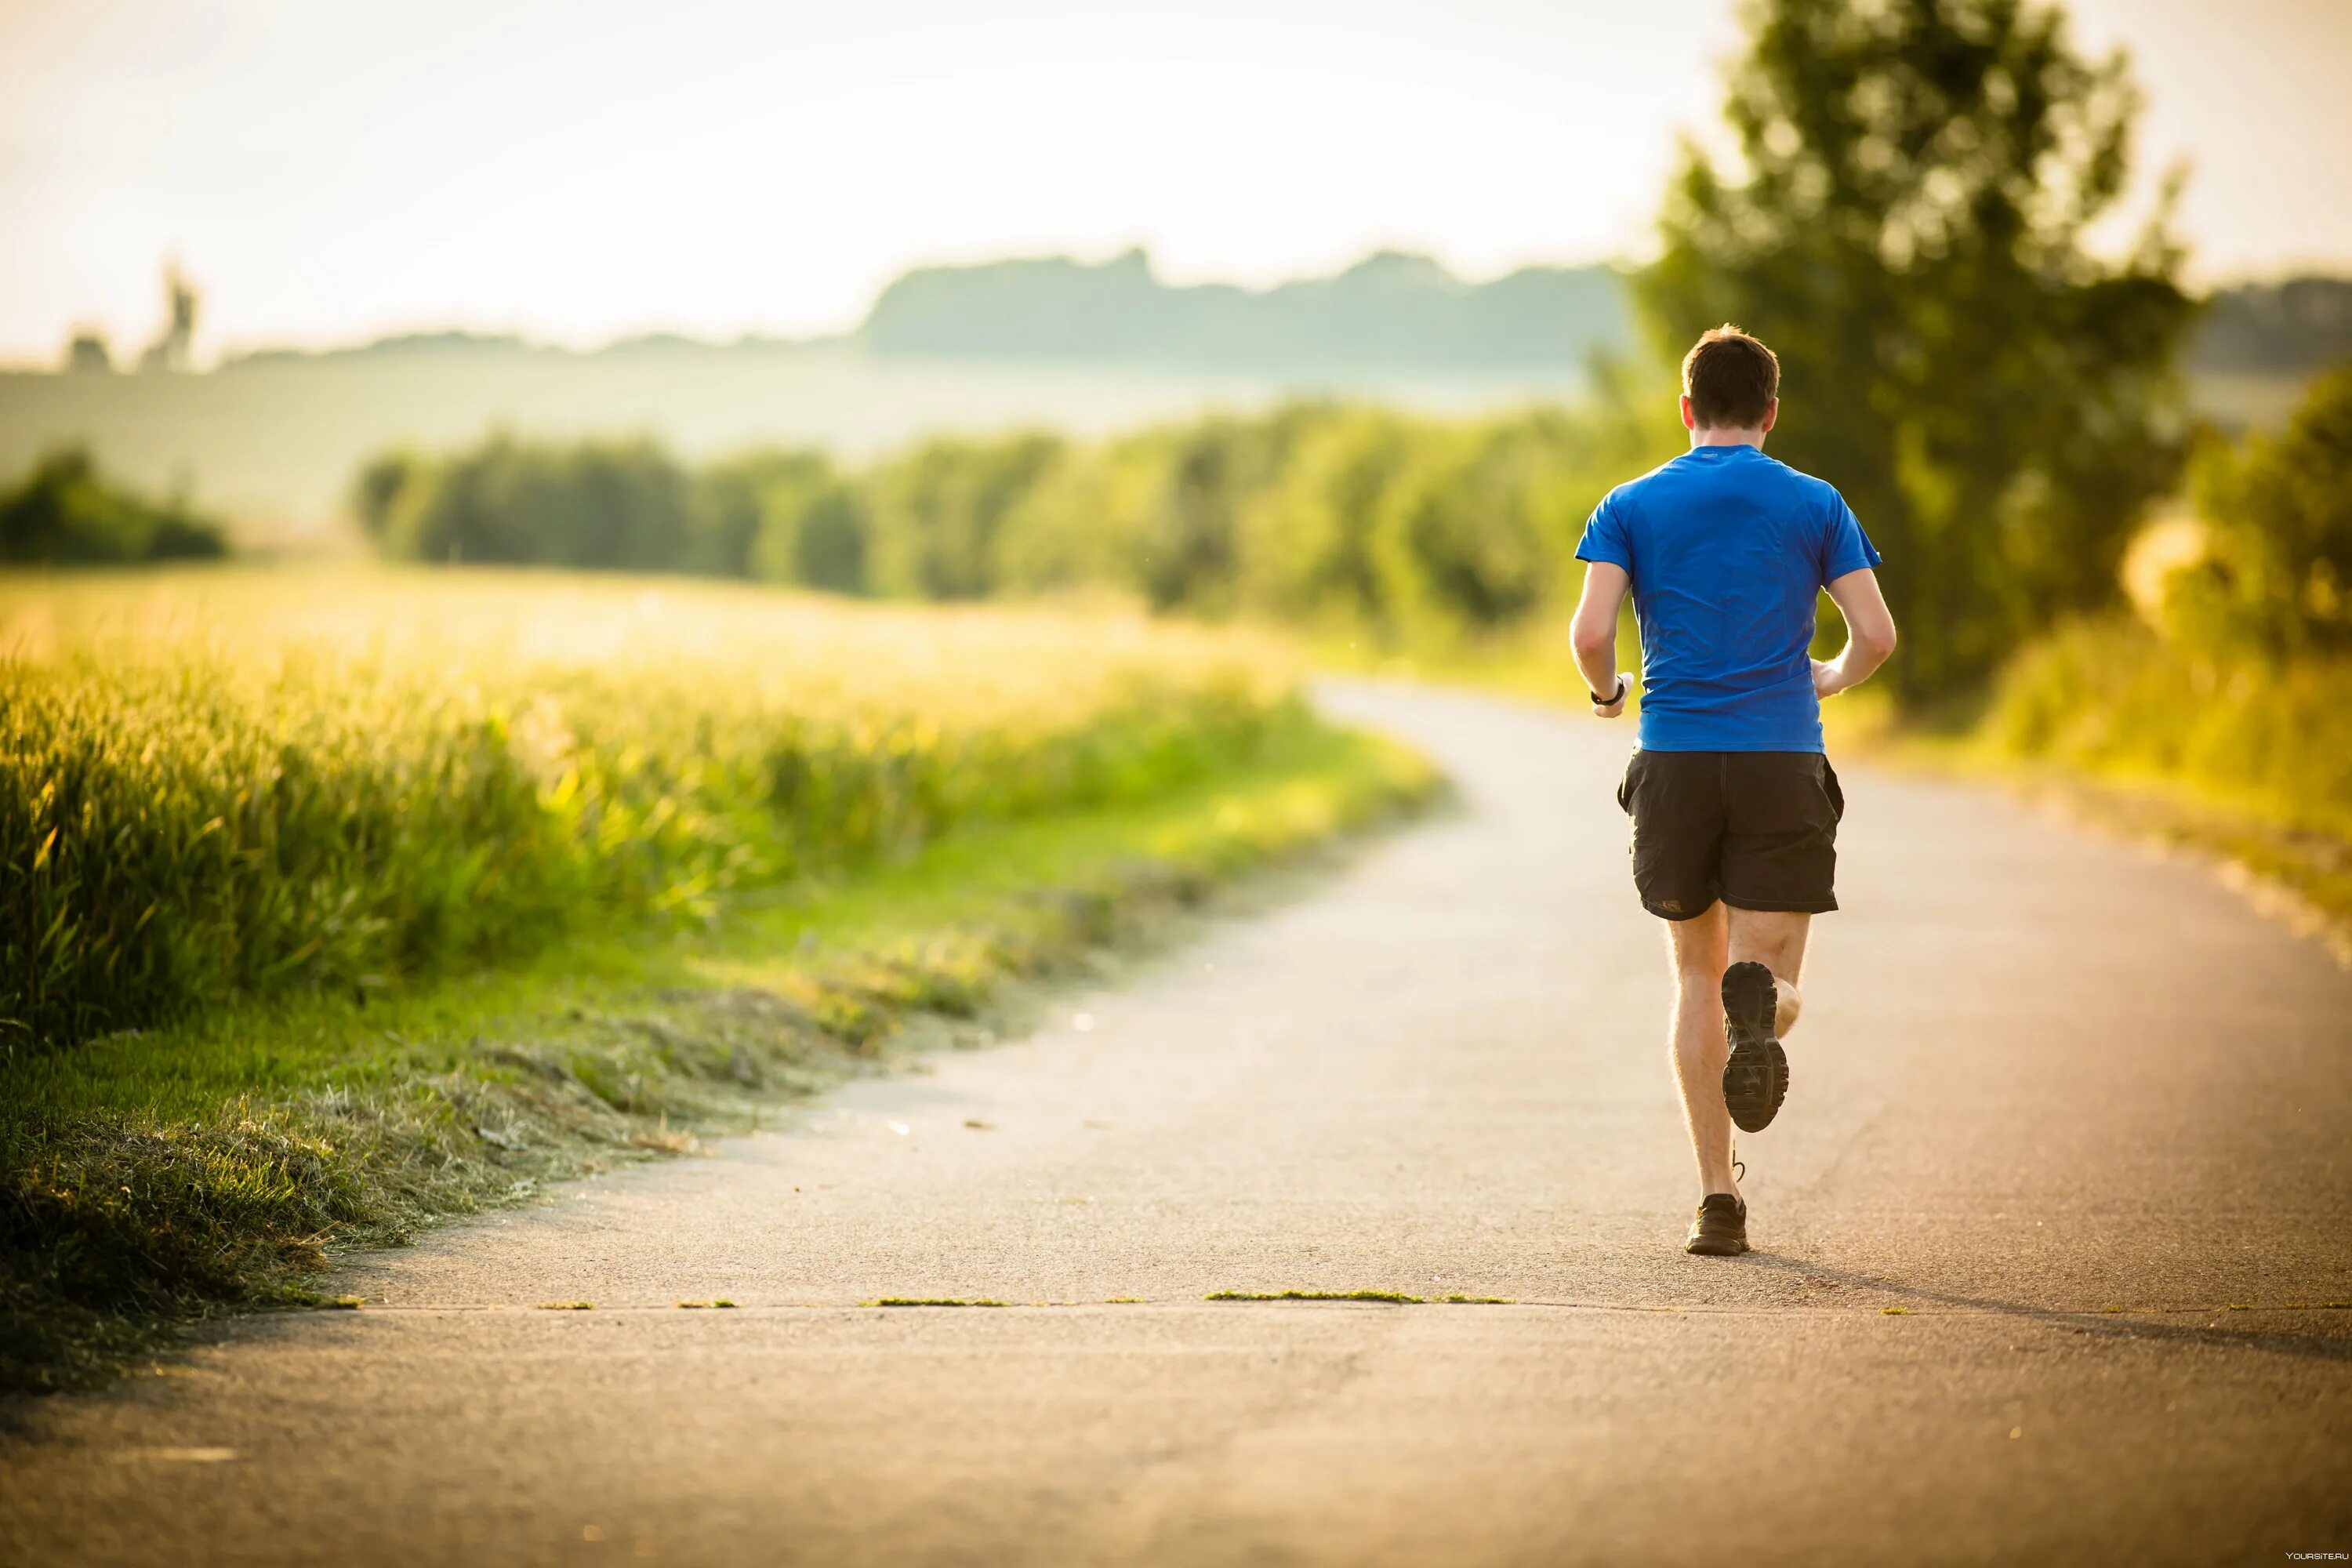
1771, 414
1690, 420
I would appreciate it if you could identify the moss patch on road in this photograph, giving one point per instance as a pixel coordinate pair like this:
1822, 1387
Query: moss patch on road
153, 1179
935, 1301
1395, 1298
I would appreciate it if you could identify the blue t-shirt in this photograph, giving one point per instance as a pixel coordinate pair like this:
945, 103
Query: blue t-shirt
1728, 550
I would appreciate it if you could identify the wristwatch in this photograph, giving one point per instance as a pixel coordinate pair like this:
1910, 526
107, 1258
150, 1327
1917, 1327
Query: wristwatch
1615, 697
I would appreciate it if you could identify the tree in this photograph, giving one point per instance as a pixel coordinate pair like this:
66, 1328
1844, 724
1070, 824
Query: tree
739, 501
937, 511
1905, 226
1188, 533
174, 348
812, 522
597, 503
86, 353
1475, 534
1308, 547
66, 513
383, 481
2277, 572
828, 544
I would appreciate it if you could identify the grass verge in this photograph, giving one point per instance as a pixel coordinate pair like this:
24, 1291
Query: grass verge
2298, 874
2243, 758
152, 1179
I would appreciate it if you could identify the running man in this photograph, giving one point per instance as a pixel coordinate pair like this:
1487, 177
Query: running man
1734, 808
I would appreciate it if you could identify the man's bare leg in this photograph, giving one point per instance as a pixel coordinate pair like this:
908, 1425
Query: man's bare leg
1700, 950
1776, 940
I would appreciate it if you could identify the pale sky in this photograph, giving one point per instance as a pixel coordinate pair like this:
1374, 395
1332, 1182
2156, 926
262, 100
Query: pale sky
330, 170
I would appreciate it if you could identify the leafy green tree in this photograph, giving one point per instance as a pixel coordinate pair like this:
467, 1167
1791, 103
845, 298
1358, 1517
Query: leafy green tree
381, 484
739, 502
937, 511
1478, 532
86, 353
812, 523
829, 545
2277, 572
608, 504
1905, 224
1308, 541
1188, 534
1077, 525
66, 513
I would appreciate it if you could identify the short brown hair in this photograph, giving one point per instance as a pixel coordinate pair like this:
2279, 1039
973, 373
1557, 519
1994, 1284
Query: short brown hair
1730, 379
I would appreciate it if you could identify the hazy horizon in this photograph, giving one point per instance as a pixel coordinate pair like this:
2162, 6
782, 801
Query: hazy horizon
845, 334
580, 173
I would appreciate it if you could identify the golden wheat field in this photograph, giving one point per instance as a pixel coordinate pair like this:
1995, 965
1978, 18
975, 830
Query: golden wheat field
220, 784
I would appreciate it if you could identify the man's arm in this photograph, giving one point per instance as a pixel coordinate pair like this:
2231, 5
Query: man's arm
1593, 636
1869, 633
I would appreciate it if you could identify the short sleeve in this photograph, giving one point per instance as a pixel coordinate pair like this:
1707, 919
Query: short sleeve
1606, 537
1846, 548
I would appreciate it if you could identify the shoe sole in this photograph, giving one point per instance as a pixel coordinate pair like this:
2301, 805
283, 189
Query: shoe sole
1756, 1076
1698, 1247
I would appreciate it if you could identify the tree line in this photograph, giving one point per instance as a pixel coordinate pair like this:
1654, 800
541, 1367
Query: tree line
1338, 516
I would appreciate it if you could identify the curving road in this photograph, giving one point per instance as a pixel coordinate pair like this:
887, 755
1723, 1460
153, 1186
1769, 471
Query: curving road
2041, 1078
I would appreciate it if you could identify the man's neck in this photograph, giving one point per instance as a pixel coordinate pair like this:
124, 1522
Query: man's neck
1729, 438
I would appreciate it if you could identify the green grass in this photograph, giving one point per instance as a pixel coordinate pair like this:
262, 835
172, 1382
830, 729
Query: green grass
153, 1178
1396, 1298
2229, 755
935, 1301
2114, 700
222, 786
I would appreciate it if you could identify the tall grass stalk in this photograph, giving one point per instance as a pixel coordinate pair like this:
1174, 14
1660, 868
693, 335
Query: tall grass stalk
225, 785
2113, 697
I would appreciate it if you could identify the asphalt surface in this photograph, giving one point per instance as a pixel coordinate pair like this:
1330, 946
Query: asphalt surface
2039, 1077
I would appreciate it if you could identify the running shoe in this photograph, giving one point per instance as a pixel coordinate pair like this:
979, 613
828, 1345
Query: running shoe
1721, 1228
1756, 1075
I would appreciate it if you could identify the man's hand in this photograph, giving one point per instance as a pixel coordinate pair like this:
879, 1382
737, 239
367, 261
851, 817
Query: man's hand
1869, 633
1624, 689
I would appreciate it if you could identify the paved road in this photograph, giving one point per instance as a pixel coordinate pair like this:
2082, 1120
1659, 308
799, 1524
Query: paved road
2039, 1077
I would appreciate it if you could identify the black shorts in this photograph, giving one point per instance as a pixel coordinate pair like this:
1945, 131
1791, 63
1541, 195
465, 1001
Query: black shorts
1756, 830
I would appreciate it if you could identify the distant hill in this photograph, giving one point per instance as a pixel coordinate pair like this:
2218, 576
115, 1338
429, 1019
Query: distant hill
1397, 311
427, 347
408, 345
272, 439
2298, 325
1392, 311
